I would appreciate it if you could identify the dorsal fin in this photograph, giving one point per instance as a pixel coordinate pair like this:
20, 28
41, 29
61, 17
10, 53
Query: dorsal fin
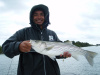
69, 42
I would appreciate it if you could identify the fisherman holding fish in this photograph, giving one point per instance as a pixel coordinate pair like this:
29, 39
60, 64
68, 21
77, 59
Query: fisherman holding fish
30, 61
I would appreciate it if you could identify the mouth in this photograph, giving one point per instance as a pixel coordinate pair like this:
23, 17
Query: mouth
39, 20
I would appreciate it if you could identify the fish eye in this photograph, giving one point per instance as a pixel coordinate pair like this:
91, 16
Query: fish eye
36, 41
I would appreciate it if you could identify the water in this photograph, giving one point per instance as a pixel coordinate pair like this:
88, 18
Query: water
69, 66
8, 66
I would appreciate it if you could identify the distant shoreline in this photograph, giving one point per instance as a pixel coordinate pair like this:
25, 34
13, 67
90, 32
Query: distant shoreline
1, 50
1, 53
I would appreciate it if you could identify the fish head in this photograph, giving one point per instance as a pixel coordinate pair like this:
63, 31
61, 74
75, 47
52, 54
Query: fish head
35, 43
38, 45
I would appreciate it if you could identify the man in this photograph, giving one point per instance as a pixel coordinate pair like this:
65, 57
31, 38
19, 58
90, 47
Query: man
31, 62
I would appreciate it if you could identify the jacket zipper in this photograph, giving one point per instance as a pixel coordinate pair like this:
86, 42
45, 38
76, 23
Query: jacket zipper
43, 55
41, 36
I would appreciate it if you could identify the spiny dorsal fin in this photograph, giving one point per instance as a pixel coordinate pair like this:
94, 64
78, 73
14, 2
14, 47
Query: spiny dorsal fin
69, 42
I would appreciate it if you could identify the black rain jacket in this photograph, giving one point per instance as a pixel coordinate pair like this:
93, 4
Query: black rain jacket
32, 63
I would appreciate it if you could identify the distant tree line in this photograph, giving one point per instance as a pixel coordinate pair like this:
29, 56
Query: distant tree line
97, 44
80, 44
0, 50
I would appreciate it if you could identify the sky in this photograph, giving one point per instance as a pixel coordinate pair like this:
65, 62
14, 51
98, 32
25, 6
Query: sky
74, 20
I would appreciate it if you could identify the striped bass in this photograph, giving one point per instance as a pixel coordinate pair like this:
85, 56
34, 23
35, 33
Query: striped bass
53, 49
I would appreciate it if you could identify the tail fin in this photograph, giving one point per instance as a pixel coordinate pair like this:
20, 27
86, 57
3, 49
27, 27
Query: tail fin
89, 56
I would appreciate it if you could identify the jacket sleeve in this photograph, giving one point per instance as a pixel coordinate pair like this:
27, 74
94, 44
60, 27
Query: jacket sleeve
11, 46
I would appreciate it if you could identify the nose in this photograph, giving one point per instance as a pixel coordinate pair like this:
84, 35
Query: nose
39, 16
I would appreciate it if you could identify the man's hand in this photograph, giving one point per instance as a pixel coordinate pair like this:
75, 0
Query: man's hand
25, 46
66, 55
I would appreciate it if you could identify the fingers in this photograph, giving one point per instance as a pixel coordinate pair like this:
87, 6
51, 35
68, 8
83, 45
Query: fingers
66, 55
69, 55
25, 46
61, 55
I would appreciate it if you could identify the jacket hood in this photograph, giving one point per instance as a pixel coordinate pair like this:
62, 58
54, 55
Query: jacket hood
46, 15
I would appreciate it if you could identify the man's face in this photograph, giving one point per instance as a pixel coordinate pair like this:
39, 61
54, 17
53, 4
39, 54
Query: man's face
38, 17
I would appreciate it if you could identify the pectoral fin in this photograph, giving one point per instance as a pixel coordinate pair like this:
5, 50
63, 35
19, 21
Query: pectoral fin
49, 48
75, 56
52, 57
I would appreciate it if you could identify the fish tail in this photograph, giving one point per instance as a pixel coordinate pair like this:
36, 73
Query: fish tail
89, 56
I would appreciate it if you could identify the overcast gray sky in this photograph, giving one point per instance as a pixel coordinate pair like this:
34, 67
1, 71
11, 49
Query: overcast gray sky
74, 20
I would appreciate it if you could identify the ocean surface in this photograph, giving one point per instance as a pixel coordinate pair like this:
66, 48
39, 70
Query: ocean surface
68, 66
